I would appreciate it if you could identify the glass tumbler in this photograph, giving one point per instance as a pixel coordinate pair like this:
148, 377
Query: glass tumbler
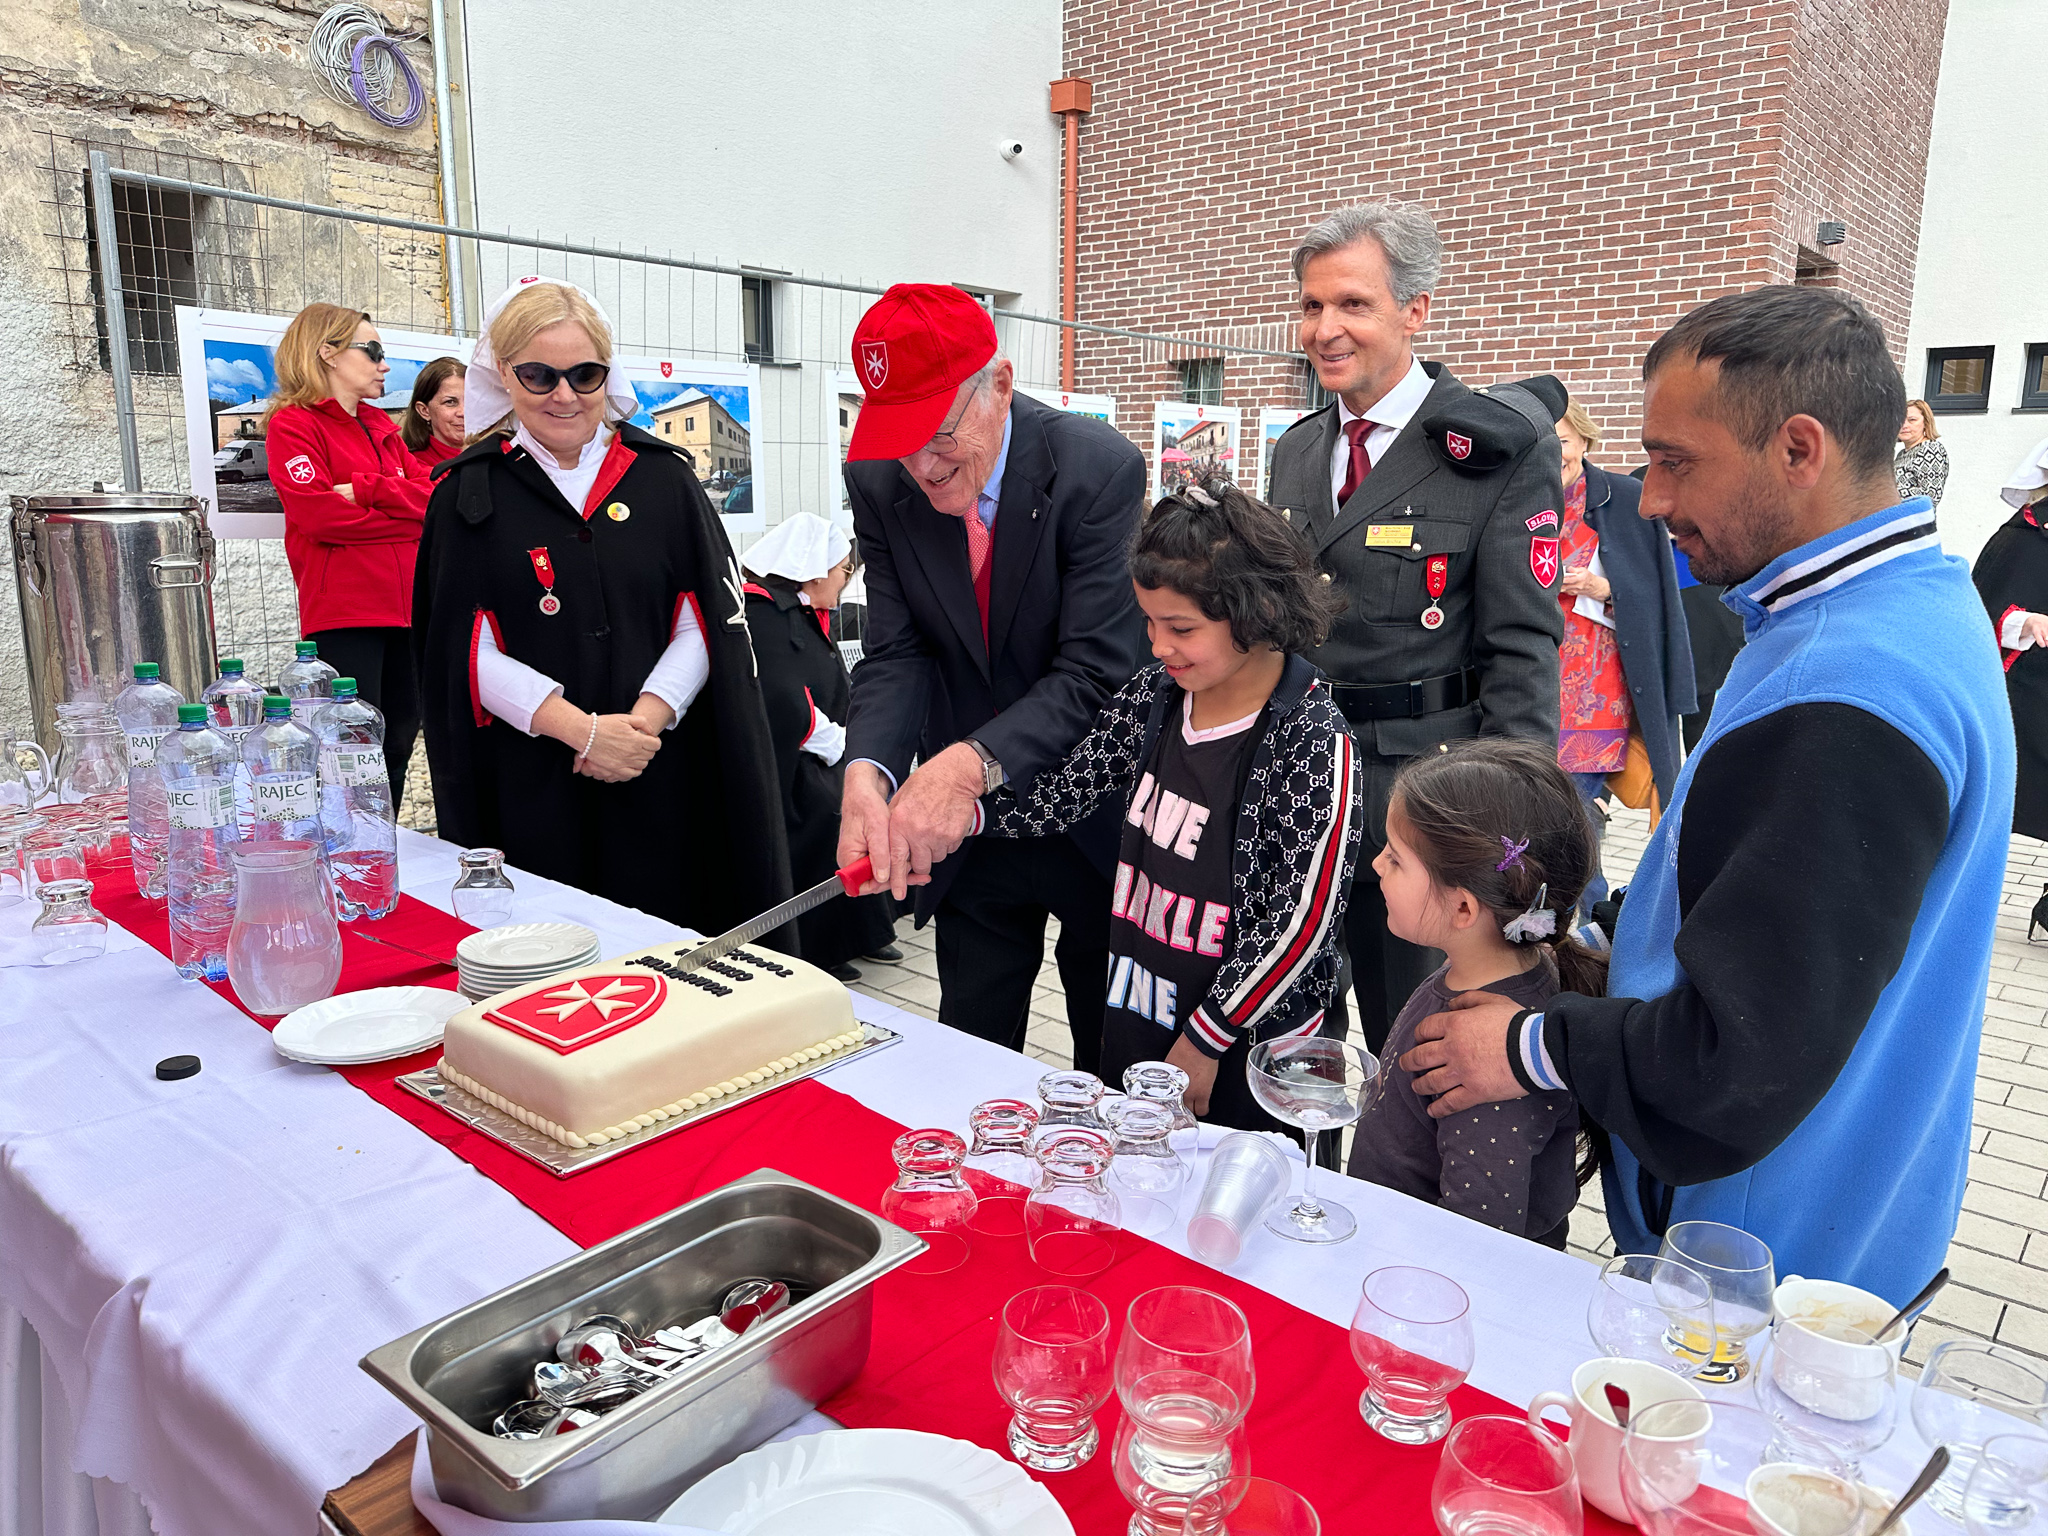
1250, 1506
1000, 1166
1185, 1378
52, 853
69, 927
1160, 1082
1144, 1171
1412, 1336
1502, 1476
1052, 1368
483, 891
2008, 1490
931, 1199
14, 886
1968, 1394
1071, 1098
1655, 1310
1071, 1216
1740, 1272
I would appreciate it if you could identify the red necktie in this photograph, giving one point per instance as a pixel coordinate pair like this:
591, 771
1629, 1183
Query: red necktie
1361, 462
979, 538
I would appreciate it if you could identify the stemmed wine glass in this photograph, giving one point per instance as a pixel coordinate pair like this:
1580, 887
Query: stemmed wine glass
1740, 1272
1655, 1310
1317, 1084
1052, 1367
1184, 1375
1969, 1393
1412, 1336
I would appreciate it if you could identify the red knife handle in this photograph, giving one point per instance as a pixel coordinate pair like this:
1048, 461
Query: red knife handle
856, 875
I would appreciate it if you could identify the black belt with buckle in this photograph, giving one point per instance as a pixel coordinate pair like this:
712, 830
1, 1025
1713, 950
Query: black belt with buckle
1402, 701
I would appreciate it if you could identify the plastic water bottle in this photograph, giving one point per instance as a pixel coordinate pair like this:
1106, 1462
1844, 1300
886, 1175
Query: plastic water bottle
281, 759
308, 682
355, 805
196, 765
148, 711
235, 707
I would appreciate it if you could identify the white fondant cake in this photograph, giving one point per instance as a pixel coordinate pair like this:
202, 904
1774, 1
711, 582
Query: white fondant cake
600, 1052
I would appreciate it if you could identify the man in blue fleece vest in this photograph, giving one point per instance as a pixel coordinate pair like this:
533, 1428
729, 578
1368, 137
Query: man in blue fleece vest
1790, 1040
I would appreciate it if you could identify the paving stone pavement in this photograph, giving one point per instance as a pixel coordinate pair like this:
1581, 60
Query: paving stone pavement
2000, 1254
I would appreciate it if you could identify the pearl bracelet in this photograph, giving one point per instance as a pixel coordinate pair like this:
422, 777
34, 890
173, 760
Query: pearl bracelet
580, 756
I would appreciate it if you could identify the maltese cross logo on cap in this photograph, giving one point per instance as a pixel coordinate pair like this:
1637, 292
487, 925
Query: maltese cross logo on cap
874, 362
1458, 446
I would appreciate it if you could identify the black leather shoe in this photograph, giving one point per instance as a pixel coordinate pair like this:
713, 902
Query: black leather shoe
842, 972
888, 954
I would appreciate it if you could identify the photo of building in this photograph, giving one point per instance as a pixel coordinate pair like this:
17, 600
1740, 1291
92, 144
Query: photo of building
715, 438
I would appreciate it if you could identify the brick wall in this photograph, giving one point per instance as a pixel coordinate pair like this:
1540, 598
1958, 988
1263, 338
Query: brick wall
1597, 168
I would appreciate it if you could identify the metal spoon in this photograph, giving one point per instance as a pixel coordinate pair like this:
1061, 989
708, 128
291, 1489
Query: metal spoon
525, 1421
1916, 1306
750, 1301
1617, 1399
1929, 1474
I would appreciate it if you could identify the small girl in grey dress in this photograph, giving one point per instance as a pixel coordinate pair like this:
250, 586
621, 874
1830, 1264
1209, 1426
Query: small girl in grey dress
1488, 849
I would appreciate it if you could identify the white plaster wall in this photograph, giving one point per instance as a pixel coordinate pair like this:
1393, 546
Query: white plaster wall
853, 141
1983, 272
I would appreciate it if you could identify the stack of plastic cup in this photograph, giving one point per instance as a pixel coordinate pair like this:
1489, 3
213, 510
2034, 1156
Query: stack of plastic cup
1248, 1173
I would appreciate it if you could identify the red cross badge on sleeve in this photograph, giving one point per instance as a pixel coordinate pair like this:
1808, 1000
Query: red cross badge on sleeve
1543, 561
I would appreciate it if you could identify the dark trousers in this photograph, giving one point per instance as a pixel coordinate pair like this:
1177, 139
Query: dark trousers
991, 940
1384, 970
380, 660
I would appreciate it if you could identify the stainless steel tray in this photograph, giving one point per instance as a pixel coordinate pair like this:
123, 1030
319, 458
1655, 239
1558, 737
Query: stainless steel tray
562, 1161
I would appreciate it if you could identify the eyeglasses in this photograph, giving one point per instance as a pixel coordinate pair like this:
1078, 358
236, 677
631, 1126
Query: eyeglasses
947, 439
373, 350
584, 378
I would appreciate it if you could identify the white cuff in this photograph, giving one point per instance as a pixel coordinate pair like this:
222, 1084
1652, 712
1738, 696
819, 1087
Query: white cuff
883, 771
684, 668
2009, 636
510, 690
827, 740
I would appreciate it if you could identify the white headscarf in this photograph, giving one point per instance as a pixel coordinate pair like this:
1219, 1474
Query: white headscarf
2032, 474
800, 548
487, 400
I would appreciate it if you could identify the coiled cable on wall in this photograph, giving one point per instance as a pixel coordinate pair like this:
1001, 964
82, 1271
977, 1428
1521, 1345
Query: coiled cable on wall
359, 65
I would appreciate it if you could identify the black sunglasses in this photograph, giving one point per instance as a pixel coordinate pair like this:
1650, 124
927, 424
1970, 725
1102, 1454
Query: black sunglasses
373, 350
584, 378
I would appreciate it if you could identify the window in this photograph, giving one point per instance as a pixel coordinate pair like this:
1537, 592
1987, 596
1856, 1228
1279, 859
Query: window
2034, 386
153, 240
757, 318
1201, 380
1959, 379
689, 423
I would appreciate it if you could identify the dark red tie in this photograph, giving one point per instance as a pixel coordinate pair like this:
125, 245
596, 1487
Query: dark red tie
1361, 462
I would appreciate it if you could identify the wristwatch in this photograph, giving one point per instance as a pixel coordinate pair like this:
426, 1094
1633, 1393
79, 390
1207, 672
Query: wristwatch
992, 776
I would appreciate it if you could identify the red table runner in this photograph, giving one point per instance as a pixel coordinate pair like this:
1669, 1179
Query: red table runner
934, 1336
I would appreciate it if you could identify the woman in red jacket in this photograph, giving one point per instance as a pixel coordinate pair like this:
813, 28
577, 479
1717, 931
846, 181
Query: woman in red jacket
354, 501
433, 429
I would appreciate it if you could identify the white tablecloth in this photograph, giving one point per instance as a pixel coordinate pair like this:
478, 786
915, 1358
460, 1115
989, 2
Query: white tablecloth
205, 1261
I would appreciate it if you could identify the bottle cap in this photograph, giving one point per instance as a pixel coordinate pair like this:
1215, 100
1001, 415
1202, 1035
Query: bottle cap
146, 671
308, 649
344, 687
230, 665
275, 706
172, 1068
191, 714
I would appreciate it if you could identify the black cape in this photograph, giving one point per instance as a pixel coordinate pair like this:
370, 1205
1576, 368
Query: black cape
2012, 572
801, 670
698, 837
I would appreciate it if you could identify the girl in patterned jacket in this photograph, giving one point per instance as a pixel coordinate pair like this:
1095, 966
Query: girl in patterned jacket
1241, 801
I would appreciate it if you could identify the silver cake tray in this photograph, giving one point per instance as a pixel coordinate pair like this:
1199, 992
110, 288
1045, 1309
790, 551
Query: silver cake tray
538, 1147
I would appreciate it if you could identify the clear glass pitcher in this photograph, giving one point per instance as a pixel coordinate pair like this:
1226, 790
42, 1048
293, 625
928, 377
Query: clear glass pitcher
285, 949
92, 755
19, 791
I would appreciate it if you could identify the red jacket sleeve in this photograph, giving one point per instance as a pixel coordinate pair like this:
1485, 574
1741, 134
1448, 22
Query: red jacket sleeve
314, 507
398, 496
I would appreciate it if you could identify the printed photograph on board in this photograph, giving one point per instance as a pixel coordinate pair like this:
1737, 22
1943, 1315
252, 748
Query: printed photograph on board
710, 416
1272, 424
1190, 441
1101, 407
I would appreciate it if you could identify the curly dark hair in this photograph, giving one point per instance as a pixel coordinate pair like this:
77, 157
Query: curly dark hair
1238, 560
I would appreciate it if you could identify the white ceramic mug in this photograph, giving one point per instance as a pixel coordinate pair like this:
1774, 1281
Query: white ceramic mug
1596, 1437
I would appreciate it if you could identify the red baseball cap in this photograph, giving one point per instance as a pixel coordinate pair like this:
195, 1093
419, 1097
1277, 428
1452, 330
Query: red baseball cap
912, 351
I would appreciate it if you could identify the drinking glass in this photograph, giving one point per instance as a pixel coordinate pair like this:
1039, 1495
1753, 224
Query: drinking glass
1161, 1508
14, 886
51, 854
1184, 1376
930, 1198
1969, 1393
1412, 1336
1052, 1368
1160, 1082
1738, 1269
483, 891
1000, 1166
1501, 1476
1656, 1310
1071, 1098
1144, 1170
1316, 1084
1071, 1215
1250, 1506
69, 927
2008, 1488
1830, 1382
1690, 1467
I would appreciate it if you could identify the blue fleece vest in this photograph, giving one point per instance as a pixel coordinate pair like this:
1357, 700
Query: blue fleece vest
1867, 1189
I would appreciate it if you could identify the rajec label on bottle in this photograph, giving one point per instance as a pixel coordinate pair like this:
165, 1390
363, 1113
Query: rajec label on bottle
286, 799
142, 747
196, 804
353, 766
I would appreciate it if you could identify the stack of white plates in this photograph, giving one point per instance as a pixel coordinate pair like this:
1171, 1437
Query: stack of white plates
379, 1024
499, 959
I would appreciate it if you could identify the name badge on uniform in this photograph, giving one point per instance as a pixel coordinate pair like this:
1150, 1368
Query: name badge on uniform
1388, 535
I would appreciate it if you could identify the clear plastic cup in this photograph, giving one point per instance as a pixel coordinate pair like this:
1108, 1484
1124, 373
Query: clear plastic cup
1247, 1175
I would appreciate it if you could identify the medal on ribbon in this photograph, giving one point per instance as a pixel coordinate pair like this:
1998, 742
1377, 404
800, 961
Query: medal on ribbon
1436, 573
544, 569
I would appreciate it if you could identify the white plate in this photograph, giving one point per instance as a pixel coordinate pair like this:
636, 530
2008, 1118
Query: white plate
870, 1482
374, 1025
526, 946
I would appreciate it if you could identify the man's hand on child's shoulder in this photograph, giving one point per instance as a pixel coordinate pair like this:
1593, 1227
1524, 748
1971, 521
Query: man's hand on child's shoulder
1461, 1056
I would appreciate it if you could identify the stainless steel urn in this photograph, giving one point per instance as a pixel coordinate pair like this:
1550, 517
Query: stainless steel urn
106, 580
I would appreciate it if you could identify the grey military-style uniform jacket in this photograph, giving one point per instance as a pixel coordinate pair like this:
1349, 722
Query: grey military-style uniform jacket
1474, 479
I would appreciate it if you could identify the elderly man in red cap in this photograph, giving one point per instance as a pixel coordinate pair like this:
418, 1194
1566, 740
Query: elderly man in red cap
1000, 618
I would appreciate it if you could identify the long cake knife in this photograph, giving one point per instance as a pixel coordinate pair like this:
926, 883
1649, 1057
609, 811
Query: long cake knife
846, 882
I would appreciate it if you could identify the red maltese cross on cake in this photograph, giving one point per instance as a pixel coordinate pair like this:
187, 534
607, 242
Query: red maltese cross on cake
582, 1012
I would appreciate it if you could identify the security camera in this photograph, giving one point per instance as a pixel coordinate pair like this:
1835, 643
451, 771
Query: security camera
1012, 148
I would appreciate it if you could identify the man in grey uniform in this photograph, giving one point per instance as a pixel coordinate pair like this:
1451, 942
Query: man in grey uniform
1434, 508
